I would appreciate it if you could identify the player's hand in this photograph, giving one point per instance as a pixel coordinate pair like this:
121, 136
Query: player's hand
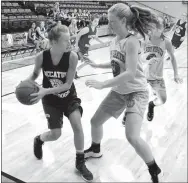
178, 80
87, 45
37, 96
94, 84
90, 62
76, 48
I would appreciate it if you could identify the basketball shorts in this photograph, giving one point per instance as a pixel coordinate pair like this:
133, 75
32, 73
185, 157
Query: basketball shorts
157, 85
115, 103
54, 113
83, 49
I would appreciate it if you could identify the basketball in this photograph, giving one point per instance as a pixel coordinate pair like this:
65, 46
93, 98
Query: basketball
23, 91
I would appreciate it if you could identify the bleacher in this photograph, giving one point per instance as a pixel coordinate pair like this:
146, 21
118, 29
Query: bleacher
17, 18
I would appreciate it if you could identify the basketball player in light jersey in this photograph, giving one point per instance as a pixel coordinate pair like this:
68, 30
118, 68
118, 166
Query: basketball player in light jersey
154, 50
180, 32
58, 94
129, 85
84, 36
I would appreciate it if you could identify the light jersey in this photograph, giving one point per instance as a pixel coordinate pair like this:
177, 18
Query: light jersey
119, 65
153, 55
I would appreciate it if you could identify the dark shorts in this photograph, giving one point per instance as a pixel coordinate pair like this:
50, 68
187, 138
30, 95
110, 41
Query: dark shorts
54, 113
176, 41
83, 49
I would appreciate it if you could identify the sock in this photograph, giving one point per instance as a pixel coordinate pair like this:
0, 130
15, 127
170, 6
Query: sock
79, 151
152, 104
95, 147
40, 140
152, 165
79, 157
95, 144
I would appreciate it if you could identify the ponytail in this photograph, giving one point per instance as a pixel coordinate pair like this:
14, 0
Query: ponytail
138, 19
143, 20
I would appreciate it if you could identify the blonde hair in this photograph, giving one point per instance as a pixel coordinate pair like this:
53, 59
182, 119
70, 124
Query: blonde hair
55, 32
139, 19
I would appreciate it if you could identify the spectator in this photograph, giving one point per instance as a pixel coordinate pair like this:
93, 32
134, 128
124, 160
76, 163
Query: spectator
87, 18
73, 29
61, 15
75, 12
59, 22
41, 35
32, 36
79, 17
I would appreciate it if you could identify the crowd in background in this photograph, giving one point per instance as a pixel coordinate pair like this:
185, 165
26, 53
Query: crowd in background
75, 21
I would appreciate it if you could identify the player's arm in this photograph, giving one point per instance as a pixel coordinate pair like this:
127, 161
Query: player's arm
131, 49
93, 64
70, 29
97, 39
170, 51
174, 26
37, 67
73, 61
81, 33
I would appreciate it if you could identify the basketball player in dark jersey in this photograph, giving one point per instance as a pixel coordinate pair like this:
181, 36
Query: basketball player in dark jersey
180, 32
83, 38
58, 94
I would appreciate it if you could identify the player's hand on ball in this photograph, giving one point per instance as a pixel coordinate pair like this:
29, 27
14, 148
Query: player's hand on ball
39, 95
177, 79
94, 84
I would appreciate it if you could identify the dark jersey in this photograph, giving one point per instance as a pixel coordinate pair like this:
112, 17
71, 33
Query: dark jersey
86, 37
180, 29
33, 33
54, 76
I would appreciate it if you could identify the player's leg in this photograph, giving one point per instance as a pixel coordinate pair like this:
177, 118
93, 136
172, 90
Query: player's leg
111, 106
54, 117
160, 89
136, 105
74, 112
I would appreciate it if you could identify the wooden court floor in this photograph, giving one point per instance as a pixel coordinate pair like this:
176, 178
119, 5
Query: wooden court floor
167, 134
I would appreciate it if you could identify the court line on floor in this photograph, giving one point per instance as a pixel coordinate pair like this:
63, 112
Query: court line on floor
88, 76
79, 76
11, 177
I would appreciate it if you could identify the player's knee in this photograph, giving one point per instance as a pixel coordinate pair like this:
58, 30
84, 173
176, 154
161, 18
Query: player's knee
133, 140
77, 127
55, 134
163, 99
94, 122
